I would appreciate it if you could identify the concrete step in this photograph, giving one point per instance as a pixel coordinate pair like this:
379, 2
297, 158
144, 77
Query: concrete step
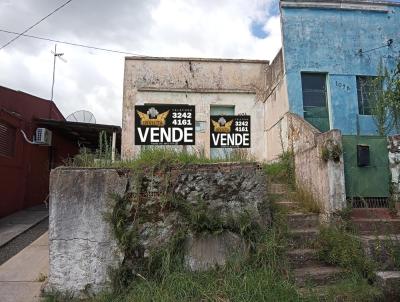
383, 249
377, 213
303, 257
302, 238
374, 226
317, 275
389, 283
275, 188
289, 205
302, 220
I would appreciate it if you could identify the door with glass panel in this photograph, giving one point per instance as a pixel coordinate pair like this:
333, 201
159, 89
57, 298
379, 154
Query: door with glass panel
315, 100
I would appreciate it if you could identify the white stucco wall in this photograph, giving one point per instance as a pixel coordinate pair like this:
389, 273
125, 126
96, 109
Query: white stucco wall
276, 106
199, 82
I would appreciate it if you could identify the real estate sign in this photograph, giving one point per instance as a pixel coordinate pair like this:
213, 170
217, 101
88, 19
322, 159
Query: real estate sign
230, 131
165, 125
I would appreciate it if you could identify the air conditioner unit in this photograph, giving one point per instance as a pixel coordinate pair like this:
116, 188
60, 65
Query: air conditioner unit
43, 137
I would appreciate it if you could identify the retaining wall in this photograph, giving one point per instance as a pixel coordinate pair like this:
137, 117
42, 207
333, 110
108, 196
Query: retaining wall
82, 248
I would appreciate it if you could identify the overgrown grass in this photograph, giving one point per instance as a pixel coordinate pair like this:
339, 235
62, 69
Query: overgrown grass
340, 247
351, 288
152, 156
282, 171
306, 200
228, 284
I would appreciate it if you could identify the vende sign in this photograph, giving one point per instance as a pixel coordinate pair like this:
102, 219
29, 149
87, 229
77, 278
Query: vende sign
165, 125
230, 131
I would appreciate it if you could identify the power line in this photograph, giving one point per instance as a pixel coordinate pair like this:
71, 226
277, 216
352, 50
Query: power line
71, 43
32, 26
388, 43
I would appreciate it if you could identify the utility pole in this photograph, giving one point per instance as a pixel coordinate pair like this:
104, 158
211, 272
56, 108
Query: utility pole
55, 56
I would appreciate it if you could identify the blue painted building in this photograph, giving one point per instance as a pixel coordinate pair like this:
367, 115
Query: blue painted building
329, 50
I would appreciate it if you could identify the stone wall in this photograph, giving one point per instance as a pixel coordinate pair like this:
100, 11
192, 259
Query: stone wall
82, 248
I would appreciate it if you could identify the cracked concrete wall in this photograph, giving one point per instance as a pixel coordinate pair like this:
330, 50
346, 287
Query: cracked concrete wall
325, 180
199, 82
80, 242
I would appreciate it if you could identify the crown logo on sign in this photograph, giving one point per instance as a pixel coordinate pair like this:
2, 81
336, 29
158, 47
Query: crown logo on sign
222, 126
152, 118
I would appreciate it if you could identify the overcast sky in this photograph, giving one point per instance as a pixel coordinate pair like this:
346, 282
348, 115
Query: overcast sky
92, 80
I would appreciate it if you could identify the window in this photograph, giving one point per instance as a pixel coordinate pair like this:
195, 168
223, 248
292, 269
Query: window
200, 126
7, 140
314, 89
367, 88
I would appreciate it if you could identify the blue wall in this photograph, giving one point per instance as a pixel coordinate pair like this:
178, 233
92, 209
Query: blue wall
328, 40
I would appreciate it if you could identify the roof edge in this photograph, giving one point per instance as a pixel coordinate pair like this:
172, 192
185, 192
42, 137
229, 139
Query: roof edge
337, 3
151, 58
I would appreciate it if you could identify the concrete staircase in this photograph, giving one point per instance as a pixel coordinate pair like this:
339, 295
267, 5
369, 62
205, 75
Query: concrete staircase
303, 230
379, 232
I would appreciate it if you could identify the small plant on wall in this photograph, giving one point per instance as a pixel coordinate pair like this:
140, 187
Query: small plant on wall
331, 151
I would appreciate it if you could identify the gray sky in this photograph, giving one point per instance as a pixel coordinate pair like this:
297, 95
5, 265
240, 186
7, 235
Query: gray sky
92, 80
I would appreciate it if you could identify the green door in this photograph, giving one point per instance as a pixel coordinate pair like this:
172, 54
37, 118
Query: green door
373, 179
222, 153
315, 101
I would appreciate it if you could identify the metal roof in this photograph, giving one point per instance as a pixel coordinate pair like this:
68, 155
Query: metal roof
83, 134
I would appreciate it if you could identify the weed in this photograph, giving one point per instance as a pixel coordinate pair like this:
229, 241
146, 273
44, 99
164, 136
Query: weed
306, 200
283, 170
156, 157
350, 288
386, 251
55, 296
100, 158
261, 277
339, 247
331, 151
227, 284
41, 278
272, 246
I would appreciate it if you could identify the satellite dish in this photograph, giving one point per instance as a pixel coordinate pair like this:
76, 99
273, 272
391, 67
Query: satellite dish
82, 116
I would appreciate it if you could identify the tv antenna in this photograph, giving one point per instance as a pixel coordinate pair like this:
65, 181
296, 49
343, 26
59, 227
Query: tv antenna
82, 116
59, 56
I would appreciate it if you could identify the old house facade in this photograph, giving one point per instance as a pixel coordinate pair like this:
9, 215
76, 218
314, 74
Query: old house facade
214, 86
